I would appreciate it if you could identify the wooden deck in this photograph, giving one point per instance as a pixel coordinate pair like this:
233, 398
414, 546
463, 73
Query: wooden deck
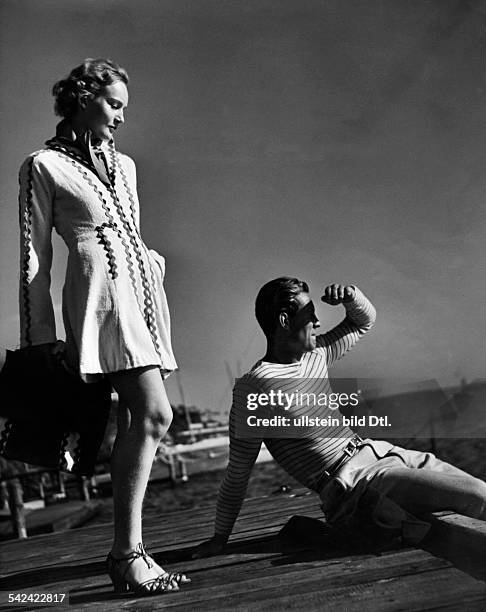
260, 569
56, 517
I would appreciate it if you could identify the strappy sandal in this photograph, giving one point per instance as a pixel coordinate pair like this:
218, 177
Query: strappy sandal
177, 577
153, 586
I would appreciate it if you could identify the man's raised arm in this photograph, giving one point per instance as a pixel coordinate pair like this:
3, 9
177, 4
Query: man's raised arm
360, 317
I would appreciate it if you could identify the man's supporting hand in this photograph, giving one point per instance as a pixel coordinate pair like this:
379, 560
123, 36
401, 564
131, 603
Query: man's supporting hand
338, 294
211, 547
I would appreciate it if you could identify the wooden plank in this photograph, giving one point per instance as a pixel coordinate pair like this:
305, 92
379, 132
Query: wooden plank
255, 507
258, 571
86, 511
168, 522
259, 508
95, 591
457, 531
94, 539
91, 588
461, 540
247, 522
59, 517
415, 591
47, 559
341, 585
46, 553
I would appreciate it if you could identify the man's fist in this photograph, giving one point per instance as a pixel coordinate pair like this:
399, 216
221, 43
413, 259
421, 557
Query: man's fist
338, 294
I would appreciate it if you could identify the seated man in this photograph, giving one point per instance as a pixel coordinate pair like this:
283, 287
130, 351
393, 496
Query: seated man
340, 467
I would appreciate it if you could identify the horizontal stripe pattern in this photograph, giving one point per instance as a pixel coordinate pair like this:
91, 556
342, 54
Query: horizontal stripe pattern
303, 458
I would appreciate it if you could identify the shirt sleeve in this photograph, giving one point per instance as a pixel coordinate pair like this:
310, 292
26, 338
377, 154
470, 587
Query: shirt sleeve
360, 317
36, 194
242, 456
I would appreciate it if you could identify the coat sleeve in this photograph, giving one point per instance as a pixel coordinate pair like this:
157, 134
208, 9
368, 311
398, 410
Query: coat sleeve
131, 186
129, 177
36, 195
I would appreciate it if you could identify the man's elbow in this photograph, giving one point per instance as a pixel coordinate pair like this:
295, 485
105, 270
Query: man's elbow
372, 317
371, 320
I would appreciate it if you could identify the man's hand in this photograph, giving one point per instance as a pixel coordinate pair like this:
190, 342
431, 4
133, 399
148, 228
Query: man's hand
211, 547
338, 294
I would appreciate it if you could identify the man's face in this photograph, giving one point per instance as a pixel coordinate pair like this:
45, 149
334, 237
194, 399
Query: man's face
303, 323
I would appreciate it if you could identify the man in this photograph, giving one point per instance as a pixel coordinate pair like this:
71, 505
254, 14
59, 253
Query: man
339, 466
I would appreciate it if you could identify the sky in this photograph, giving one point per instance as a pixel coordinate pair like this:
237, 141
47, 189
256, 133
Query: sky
339, 141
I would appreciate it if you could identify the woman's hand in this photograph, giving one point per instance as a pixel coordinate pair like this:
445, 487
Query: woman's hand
48, 348
58, 349
49, 354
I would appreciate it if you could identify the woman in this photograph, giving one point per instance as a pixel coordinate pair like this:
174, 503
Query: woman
114, 306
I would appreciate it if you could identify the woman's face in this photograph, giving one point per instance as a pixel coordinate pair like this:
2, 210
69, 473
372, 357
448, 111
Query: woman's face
104, 113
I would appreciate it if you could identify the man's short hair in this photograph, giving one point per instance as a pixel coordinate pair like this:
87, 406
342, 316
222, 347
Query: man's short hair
277, 296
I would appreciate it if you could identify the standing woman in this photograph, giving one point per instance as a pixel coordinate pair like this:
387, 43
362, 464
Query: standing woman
115, 311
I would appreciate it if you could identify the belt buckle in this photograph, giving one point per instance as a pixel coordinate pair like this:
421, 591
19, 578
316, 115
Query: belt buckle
352, 446
349, 451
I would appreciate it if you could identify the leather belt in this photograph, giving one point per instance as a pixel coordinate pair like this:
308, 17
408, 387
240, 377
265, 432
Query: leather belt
351, 448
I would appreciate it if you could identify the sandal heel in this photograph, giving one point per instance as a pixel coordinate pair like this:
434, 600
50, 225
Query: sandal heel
120, 585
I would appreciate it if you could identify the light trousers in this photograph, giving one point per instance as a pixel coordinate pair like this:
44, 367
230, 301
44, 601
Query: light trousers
418, 482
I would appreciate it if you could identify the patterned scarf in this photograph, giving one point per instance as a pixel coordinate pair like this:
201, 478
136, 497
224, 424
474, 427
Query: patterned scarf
85, 144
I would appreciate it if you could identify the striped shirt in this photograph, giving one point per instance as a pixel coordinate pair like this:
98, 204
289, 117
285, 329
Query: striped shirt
304, 458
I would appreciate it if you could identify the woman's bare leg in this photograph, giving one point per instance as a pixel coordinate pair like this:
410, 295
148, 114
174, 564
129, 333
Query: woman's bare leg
144, 418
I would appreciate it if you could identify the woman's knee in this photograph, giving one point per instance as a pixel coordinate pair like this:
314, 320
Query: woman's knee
153, 419
143, 392
157, 419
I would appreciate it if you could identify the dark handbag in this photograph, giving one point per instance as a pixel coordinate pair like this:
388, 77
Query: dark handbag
49, 416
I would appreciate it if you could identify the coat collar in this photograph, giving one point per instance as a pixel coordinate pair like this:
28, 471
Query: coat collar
85, 145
